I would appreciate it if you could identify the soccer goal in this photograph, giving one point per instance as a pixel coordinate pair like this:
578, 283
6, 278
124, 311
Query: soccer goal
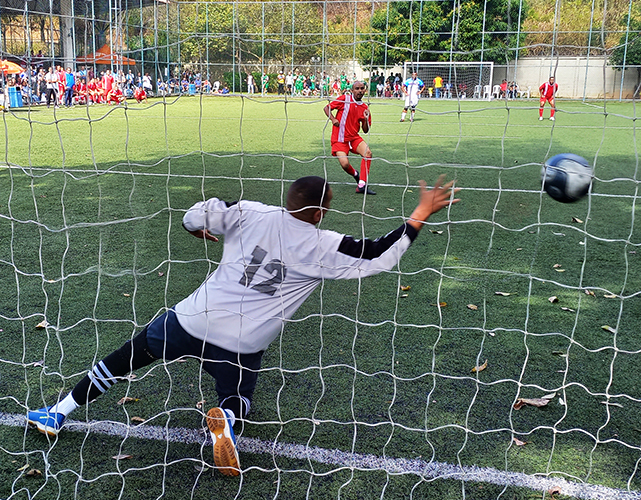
462, 80
497, 360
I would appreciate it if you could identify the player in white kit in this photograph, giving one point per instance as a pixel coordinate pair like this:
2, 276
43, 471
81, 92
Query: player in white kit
412, 88
273, 259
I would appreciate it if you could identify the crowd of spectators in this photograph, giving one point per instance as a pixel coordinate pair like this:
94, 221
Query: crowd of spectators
58, 86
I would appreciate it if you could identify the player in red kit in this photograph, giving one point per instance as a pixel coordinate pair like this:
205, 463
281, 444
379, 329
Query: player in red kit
140, 94
351, 115
548, 91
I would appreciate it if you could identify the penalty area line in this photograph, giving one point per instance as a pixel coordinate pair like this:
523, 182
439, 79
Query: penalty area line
395, 466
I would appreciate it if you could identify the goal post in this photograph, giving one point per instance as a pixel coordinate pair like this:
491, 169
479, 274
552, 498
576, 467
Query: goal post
460, 79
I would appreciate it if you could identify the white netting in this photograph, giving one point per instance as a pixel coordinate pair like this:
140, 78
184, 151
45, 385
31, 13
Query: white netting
405, 384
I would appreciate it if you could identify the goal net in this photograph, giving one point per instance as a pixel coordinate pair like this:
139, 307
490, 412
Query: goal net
457, 79
496, 360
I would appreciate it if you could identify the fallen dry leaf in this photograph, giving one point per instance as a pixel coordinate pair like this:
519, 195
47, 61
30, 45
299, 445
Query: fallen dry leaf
434, 231
549, 396
554, 299
556, 266
406, 288
122, 457
610, 296
473, 307
568, 309
558, 234
589, 292
390, 209
127, 294
538, 402
160, 273
577, 220
609, 329
24, 467
127, 399
560, 270
200, 404
518, 442
139, 420
404, 296
33, 473
440, 304
43, 324
555, 490
480, 368
502, 294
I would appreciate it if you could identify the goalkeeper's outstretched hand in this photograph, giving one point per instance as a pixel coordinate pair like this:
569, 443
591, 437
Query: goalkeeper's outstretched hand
430, 202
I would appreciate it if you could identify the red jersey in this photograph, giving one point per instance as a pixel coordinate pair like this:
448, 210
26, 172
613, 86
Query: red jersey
107, 82
548, 91
139, 94
350, 113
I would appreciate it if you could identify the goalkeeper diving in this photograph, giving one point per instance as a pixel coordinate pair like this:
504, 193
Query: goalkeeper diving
273, 259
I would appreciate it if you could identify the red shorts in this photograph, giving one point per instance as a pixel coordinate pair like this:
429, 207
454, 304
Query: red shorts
548, 99
346, 147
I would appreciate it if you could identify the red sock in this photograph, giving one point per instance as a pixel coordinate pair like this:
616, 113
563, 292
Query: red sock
365, 165
552, 112
541, 112
350, 170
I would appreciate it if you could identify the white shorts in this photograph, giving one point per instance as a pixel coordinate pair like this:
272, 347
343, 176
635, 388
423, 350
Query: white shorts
411, 101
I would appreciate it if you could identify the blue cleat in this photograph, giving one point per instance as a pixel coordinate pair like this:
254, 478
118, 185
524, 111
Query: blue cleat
222, 434
47, 423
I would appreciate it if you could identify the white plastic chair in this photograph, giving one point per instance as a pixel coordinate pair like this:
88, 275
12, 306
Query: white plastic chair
477, 92
526, 93
496, 91
487, 92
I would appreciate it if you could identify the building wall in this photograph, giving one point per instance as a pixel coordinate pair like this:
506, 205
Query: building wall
578, 77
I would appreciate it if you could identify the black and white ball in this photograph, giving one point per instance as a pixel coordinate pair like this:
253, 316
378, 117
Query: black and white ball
566, 177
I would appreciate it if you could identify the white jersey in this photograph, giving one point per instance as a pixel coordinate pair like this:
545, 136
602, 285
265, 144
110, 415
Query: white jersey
271, 263
413, 89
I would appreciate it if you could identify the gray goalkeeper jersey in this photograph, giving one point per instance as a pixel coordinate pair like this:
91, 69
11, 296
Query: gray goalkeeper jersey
271, 263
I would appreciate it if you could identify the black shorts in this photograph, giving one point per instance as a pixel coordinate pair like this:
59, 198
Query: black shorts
235, 374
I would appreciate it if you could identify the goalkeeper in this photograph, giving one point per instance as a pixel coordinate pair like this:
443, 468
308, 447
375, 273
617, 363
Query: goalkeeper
273, 258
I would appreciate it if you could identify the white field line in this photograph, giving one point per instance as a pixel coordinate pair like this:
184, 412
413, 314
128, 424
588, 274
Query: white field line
395, 466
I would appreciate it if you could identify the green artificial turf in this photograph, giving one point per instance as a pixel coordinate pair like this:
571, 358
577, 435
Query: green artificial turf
91, 203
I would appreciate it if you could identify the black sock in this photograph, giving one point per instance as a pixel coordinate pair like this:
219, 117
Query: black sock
132, 355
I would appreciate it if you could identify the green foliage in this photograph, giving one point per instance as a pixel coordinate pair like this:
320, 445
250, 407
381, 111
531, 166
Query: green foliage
628, 51
435, 31
574, 26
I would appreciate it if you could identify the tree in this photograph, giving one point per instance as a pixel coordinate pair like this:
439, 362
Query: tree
628, 52
466, 30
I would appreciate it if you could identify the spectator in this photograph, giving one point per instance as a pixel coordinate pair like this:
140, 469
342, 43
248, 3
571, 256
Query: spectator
281, 83
503, 89
70, 85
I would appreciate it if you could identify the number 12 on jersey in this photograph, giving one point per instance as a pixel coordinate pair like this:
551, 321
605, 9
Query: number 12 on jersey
274, 267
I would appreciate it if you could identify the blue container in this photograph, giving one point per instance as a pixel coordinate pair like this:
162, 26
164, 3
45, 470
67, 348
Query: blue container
192, 89
15, 97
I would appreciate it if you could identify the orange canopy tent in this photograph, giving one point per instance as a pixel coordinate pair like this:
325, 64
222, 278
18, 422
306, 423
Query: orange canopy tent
10, 68
104, 56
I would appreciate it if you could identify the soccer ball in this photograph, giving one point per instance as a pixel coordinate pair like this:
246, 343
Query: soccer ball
566, 177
